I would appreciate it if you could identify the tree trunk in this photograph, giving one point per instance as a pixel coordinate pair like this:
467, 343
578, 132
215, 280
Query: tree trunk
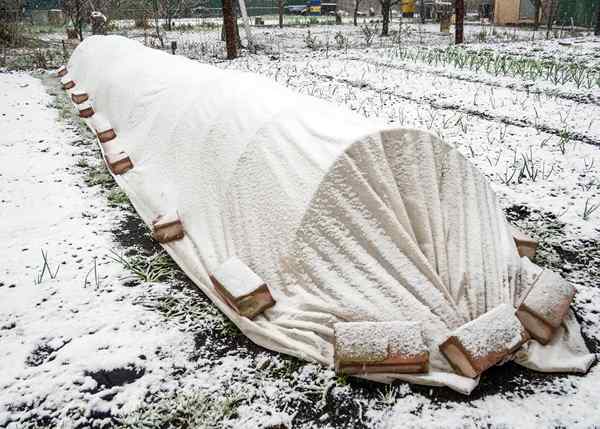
385, 12
459, 11
550, 19
536, 18
356, 5
280, 11
422, 11
156, 11
229, 26
597, 29
79, 19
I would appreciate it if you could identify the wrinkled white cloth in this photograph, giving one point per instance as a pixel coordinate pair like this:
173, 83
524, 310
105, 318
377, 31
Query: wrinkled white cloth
345, 219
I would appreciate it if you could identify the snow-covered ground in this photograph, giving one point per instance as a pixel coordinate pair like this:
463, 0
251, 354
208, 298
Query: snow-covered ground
90, 345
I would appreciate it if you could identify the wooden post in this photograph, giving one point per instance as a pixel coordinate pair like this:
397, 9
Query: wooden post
246, 21
536, 18
229, 26
173, 46
280, 11
597, 29
550, 19
422, 11
459, 13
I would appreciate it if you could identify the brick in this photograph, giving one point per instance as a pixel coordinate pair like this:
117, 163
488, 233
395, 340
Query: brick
118, 163
242, 288
167, 228
79, 98
380, 347
485, 341
546, 305
526, 245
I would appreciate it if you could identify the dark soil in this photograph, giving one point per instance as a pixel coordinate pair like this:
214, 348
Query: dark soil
116, 376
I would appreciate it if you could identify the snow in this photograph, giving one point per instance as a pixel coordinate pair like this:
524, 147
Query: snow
498, 330
547, 297
377, 341
554, 207
237, 278
60, 331
100, 123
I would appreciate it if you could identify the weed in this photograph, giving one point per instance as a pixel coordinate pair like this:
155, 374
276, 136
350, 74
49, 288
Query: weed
563, 141
39, 277
116, 197
287, 368
388, 396
341, 379
82, 162
340, 40
96, 277
369, 32
589, 208
312, 42
149, 269
99, 175
186, 410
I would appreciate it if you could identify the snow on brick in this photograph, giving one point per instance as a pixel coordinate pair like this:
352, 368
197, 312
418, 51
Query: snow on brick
485, 341
67, 82
167, 228
242, 288
376, 347
62, 70
85, 109
118, 163
546, 306
78, 95
104, 130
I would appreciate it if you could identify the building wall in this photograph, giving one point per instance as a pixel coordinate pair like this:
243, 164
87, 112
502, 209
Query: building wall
507, 11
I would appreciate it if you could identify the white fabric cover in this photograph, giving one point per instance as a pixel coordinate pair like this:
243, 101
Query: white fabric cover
344, 219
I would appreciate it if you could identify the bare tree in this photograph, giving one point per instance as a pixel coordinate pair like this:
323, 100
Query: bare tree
78, 11
11, 31
280, 12
551, 12
536, 18
171, 9
386, 12
156, 16
459, 11
356, 6
110, 8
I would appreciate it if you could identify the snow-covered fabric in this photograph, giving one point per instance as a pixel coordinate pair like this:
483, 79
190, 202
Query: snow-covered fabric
345, 219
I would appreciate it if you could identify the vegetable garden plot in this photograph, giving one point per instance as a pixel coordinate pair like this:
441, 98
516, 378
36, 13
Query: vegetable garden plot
345, 220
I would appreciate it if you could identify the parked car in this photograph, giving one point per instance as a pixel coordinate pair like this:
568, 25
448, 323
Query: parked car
304, 9
296, 9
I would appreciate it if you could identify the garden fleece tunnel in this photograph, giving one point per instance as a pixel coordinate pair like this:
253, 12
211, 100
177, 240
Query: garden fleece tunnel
345, 219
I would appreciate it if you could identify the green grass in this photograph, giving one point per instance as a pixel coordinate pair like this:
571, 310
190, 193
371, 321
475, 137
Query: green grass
186, 410
82, 163
288, 368
38, 58
150, 269
116, 197
99, 175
